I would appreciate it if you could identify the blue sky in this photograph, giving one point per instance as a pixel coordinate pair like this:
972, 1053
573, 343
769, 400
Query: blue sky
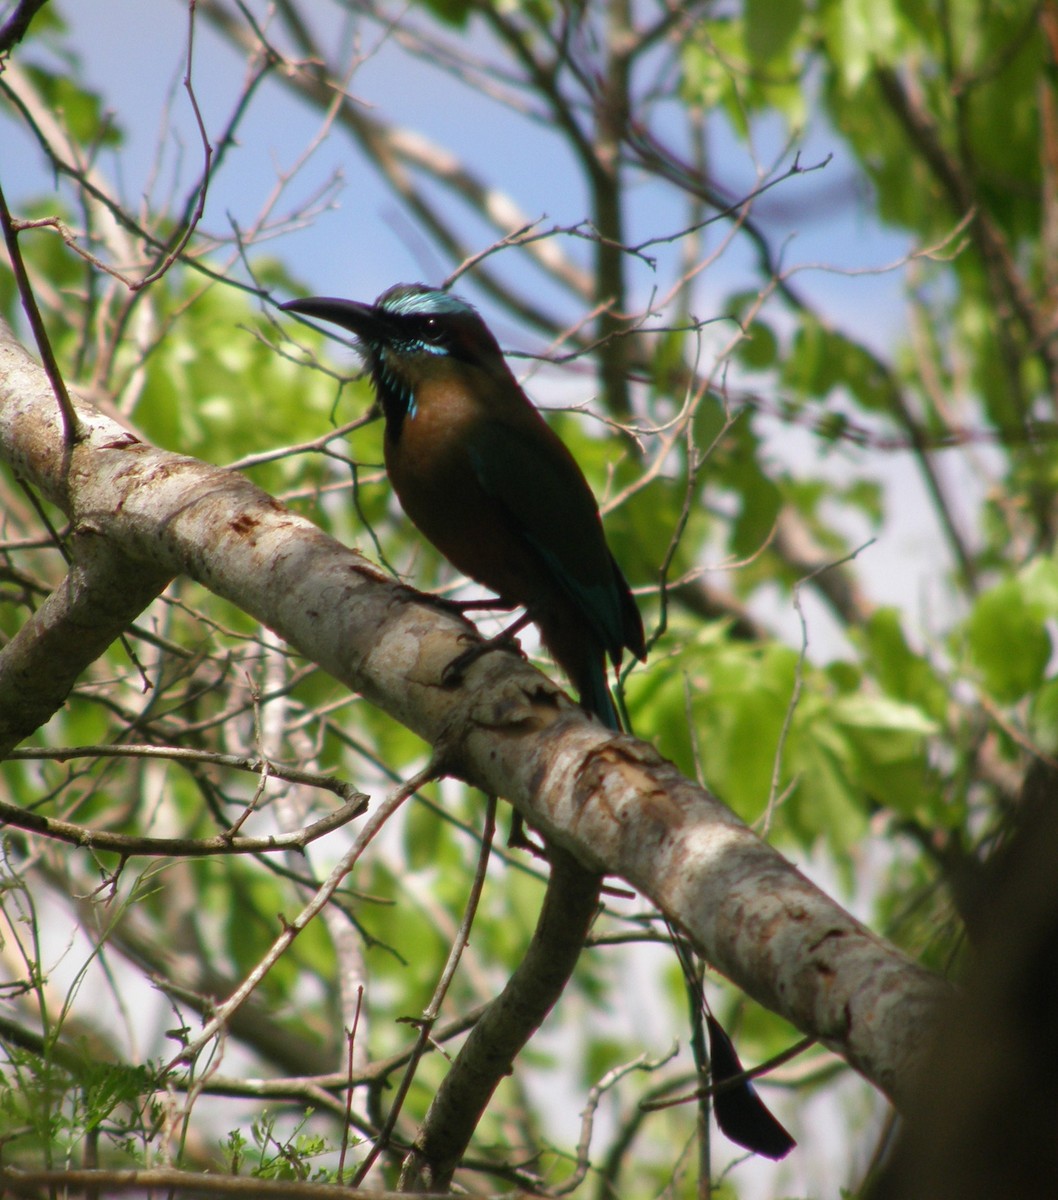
134, 54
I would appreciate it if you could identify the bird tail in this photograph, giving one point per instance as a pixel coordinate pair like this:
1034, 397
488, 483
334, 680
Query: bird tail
595, 695
582, 657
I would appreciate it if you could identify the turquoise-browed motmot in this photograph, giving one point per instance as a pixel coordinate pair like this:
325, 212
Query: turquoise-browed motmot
490, 484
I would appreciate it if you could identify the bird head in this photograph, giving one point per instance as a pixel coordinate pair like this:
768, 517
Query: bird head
412, 332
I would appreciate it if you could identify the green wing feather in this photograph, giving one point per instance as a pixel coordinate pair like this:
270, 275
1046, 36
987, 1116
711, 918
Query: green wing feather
549, 504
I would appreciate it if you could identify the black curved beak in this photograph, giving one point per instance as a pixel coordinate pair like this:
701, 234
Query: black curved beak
368, 322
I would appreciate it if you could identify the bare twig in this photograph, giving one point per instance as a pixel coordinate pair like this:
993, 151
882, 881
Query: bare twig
15, 27
191, 224
71, 426
587, 1116
224, 1011
433, 1009
507, 1024
23, 1182
795, 694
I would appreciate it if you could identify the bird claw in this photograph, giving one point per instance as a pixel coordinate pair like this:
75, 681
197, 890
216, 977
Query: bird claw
488, 605
452, 675
462, 607
518, 839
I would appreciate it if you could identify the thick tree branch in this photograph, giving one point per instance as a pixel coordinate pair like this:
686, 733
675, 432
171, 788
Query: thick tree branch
610, 800
104, 592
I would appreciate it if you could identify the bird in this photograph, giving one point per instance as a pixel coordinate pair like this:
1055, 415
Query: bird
488, 482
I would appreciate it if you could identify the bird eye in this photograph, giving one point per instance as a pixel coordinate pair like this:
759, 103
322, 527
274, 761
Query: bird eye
432, 329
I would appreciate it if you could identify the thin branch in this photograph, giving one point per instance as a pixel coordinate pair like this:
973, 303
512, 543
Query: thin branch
131, 845
71, 425
304, 1087
216, 1025
733, 1081
17, 25
191, 224
569, 907
102, 1181
798, 684
433, 1009
587, 1116
237, 762
1006, 282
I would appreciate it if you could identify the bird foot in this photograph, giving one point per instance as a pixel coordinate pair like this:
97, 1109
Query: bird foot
493, 605
518, 839
452, 675
462, 607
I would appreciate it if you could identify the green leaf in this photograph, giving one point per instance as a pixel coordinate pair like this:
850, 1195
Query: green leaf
822, 360
82, 110
1044, 717
1008, 642
759, 349
861, 33
770, 27
885, 716
451, 12
901, 672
